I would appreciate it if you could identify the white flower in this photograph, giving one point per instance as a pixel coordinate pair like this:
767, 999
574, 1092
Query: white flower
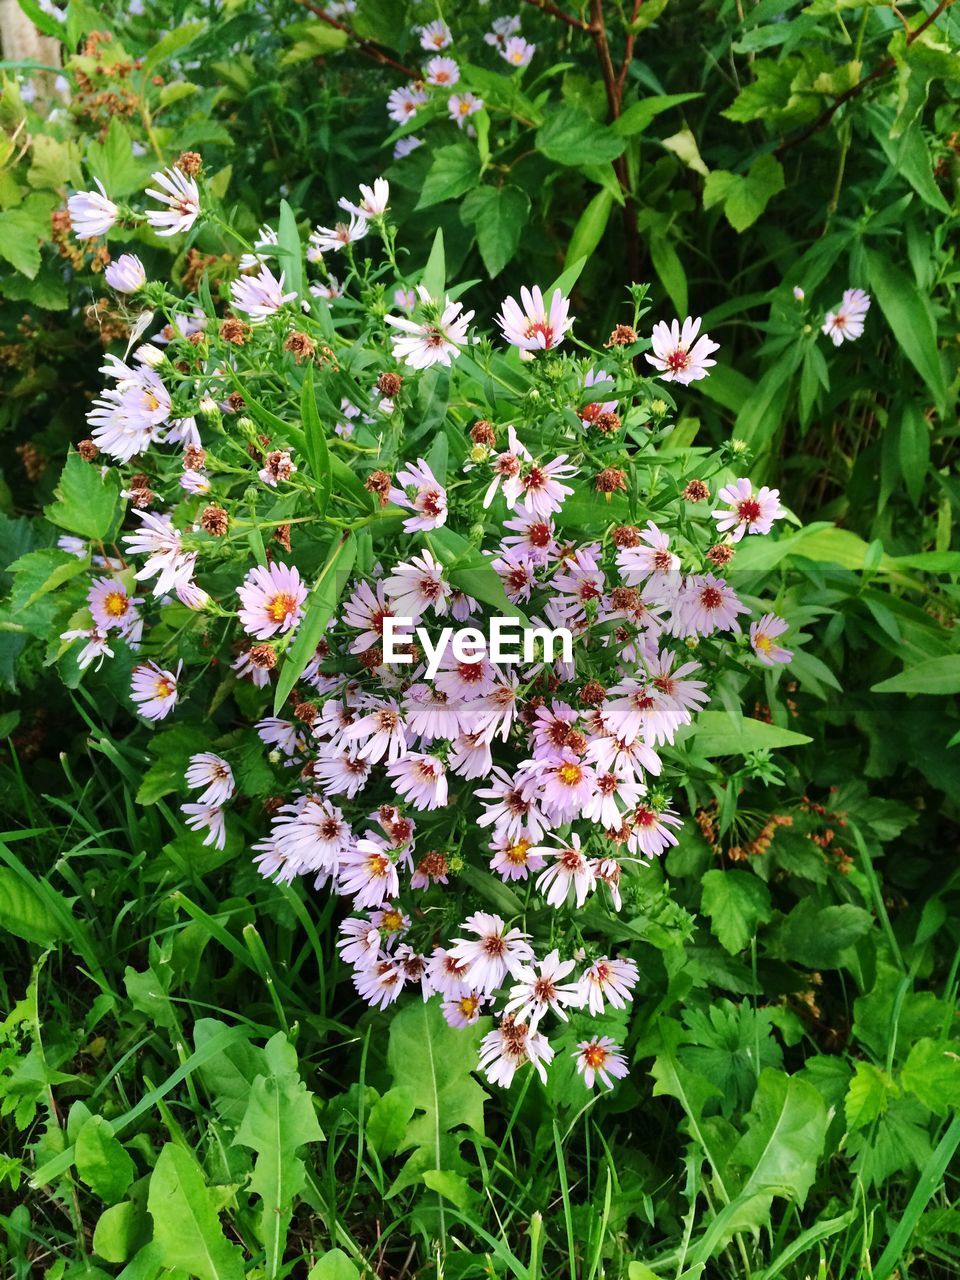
518, 51
846, 323
536, 992
213, 775
533, 326
339, 236
260, 295
374, 202
182, 198
435, 340
435, 35
677, 353
91, 213
126, 275
463, 105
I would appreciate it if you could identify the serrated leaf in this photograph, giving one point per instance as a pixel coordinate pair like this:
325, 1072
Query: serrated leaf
455, 169
570, 137
786, 1129
186, 1230
102, 1163
497, 215
87, 502
736, 902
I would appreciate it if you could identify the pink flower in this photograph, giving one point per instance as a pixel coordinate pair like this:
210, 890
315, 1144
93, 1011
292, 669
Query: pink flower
420, 779
110, 606
565, 784
422, 493
492, 953
359, 943
402, 103
92, 213
418, 586
676, 354
271, 600
380, 984
442, 71
514, 856
448, 975
518, 51
209, 818
463, 1011
568, 868
338, 236
97, 645
126, 274
706, 604
368, 874
748, 512
534, 327
435, 35
154, 689
510, 1046
540, 989
847, 321
374, 201
601, 1057
260, 295
381, 732
461, 106
213, 774
650, 831
181, 196
610, 981
593, 409
366, 612
763, 638
541, 487
436, 339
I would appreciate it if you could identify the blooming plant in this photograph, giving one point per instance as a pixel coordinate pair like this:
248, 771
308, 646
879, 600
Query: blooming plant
308, 480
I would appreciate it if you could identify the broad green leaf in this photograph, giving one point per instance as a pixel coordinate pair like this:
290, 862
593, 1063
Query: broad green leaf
278, 1121
497, 215
744, 196
816, 937
87, 502
939, 676
334, 1265
102, 1163
435, 272
25, 910
684, 146
120, 1231
786, 1128
570, 137
20, 232
714, 733
932, 1074
319, 609
469, 570
736, 902
186, 1230
867, 1095
114, 163
170, 44
388, 1119
590, 227
290, 250
911, 321
42, 571
637, 116
455, 169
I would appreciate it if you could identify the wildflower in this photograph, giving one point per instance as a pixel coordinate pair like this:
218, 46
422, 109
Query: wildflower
542, 492
435, 35
463, 105
514, 856
494, 952
166, 559
368, 874
195, 482
340, 235
442, 71
847, 321
649, 831
266, 241
212, 774
260, 295
422, 493
763, 639
502, 29
463, 1011
420, 779
182, 198
97, 645
359, 943
92, 213
381, 732
271, 600
748, 512
110, 605
404, 146
678, 355
696, 491
128, 417
534, 326
209, 818
541, 989
607, 981
155, 690
567, 867
601, 1057
278, 466
510, 1046
418, 586
373, 203
798, 293
434, 340
402, 104
379, 985
518, 51
706, 604
126, 275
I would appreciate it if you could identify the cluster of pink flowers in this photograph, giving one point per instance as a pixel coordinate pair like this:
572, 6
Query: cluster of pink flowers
547, 774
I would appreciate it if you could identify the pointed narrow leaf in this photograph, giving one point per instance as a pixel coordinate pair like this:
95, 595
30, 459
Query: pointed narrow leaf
320, 606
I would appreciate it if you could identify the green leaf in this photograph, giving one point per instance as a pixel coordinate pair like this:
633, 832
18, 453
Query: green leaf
20, 232
714, 733
867, 1095
497, 215
932, 1074
45, 22
315, 438
786, 1129
170, 44
26, 912
42, 571
469, 570
936, 675
669, 269
186, 1230
590, 227
744, 197
279, 1120
319, 609
102, 1163
636, 117
114, 163
736, 902
290, 250
388, 1119
455, 169
911, 321
87, 502
334, 1265
120, 1231
816, 937
570, 137
435, 272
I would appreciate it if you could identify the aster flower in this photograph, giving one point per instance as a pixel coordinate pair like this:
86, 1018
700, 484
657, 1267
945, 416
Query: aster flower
502, 29
366, 612
678, 355
533, 326
442, 71
195, 482
601, 1057
374, 200
402, 103
420, 779
209, 818
263, 247
435, 35
404, 146
154, 690
492, 953
461, 106
463, 1011
368, 874
421, 493
271, 600
706, 604
846, 323
97, 645
359, 943
340, 235
594, 409
564, 782
510, 1046
448, 975
748, 512
511, 810
540, 988
380, 984
260, 295
566, 868
127, 418
126, 274
381, 732
417, 586
166, 559
541, 490
649, 830
92, 213
763, 639
180, 194
110, 605
210, 774
517, 51
514, 857
608, 981
436, 339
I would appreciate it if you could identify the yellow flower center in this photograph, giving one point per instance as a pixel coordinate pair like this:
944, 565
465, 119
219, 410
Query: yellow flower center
281, 607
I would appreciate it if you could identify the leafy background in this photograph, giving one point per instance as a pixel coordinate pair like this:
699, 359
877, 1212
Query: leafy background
188, 1085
